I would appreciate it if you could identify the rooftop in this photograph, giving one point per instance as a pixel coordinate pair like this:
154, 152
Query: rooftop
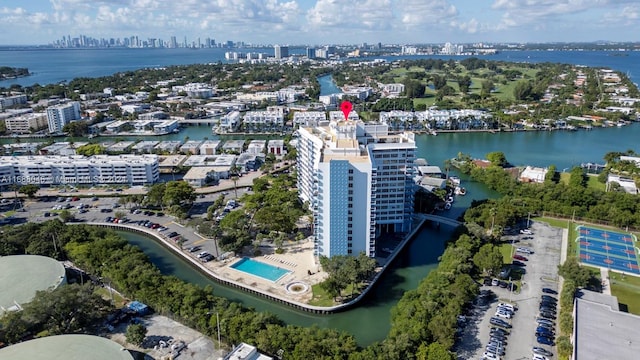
22, 275
602, 332
67, 347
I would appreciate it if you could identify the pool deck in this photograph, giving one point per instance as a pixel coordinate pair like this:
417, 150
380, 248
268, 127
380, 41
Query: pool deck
297, 258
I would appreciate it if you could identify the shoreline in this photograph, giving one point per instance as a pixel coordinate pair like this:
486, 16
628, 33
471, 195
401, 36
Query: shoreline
250, 287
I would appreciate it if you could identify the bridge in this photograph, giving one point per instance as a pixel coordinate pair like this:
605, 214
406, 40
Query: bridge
439, 219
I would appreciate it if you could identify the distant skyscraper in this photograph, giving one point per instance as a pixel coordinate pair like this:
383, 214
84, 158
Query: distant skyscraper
60, 115
311, 53
173, 43
281, 51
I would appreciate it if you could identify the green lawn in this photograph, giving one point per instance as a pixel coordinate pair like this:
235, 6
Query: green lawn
507, 252
627, 289
592, 181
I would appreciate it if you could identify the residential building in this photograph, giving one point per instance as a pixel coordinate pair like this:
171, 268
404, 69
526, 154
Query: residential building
8, 101
533, 174
191, 147
358, 180
256, 147
27, 123
276, 147
78, 169
145, 146
153, 115
233, 146
60, 115
309, 118
230, 122
210, 147
263, 121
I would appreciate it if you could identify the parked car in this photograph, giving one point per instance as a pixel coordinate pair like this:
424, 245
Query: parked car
541, 351
499, 331
524, 250
518, 263
549, 291
546, 322
545, 340
548, 315
503, 314
203, 254
539, 357
495, 282
499, 322
520, 257
490, 356
511, 307
547, 297
194, 249
526, 232
542, 329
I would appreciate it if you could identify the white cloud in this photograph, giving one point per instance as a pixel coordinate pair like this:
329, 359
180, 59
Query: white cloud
421, 13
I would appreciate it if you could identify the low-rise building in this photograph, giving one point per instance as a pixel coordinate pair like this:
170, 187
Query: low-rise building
249, 162
8, 101
168, 146
144, 147
191, 147
246, 352
626, 183
79, 170
309, 118
120, 146
601, 330
263, 121
200, 176
169, 163
533, 174
209, 147
234, 146
230, 122
223, 165
276, 147
27, 123
61, 148
256, 147
153, 115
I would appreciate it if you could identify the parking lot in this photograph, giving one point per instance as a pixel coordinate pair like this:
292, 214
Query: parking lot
541, 271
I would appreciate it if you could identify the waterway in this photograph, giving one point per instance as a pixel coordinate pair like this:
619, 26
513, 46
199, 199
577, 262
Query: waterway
370, 322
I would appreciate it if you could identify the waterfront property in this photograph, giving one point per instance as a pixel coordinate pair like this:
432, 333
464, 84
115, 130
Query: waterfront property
78, 169
358, 181
60, 115
260, 269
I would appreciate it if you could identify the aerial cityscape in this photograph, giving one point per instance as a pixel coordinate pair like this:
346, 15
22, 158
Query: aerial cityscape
317, 179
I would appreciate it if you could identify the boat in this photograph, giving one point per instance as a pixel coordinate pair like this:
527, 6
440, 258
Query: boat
447, 206
433, 132
454, 180
460, 191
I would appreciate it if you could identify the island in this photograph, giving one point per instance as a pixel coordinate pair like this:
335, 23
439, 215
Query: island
7, 72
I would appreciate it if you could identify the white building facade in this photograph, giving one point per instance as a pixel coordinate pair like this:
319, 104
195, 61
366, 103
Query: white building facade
25, 124
358, 184
77, 169
60, 115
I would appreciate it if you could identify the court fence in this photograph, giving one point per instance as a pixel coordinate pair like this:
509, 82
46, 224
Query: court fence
586, 220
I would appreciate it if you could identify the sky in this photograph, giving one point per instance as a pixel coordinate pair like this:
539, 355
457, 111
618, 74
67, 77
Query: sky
31, 22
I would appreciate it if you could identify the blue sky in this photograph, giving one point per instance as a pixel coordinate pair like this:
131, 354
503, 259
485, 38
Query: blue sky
323, 21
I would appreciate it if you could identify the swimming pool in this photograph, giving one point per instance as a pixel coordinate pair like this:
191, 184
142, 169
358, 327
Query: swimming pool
260, 269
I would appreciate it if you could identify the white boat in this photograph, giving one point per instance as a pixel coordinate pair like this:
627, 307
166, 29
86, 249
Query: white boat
447, 206
454, 180
460, 191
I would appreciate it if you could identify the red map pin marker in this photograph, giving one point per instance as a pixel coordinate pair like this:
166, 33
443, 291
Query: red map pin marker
346, 109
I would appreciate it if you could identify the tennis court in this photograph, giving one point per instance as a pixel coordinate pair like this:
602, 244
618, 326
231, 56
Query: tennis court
608, 249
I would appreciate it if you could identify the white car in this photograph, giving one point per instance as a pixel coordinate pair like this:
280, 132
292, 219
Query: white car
523, 250
526, 232
539, 357
490, 356
503, 314
508, 306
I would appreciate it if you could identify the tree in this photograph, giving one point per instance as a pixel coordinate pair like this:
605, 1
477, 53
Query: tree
464, 82
30, 190
572, 271
413, 88
66, 216
522, 90
178, 193
489, 259
497, 158
577, 178
135, 334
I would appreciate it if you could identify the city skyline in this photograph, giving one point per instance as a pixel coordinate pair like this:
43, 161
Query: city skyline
39, 22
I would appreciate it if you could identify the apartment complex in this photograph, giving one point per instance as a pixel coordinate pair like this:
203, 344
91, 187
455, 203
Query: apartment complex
77, 169
357, 180
60, 115
27, 123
